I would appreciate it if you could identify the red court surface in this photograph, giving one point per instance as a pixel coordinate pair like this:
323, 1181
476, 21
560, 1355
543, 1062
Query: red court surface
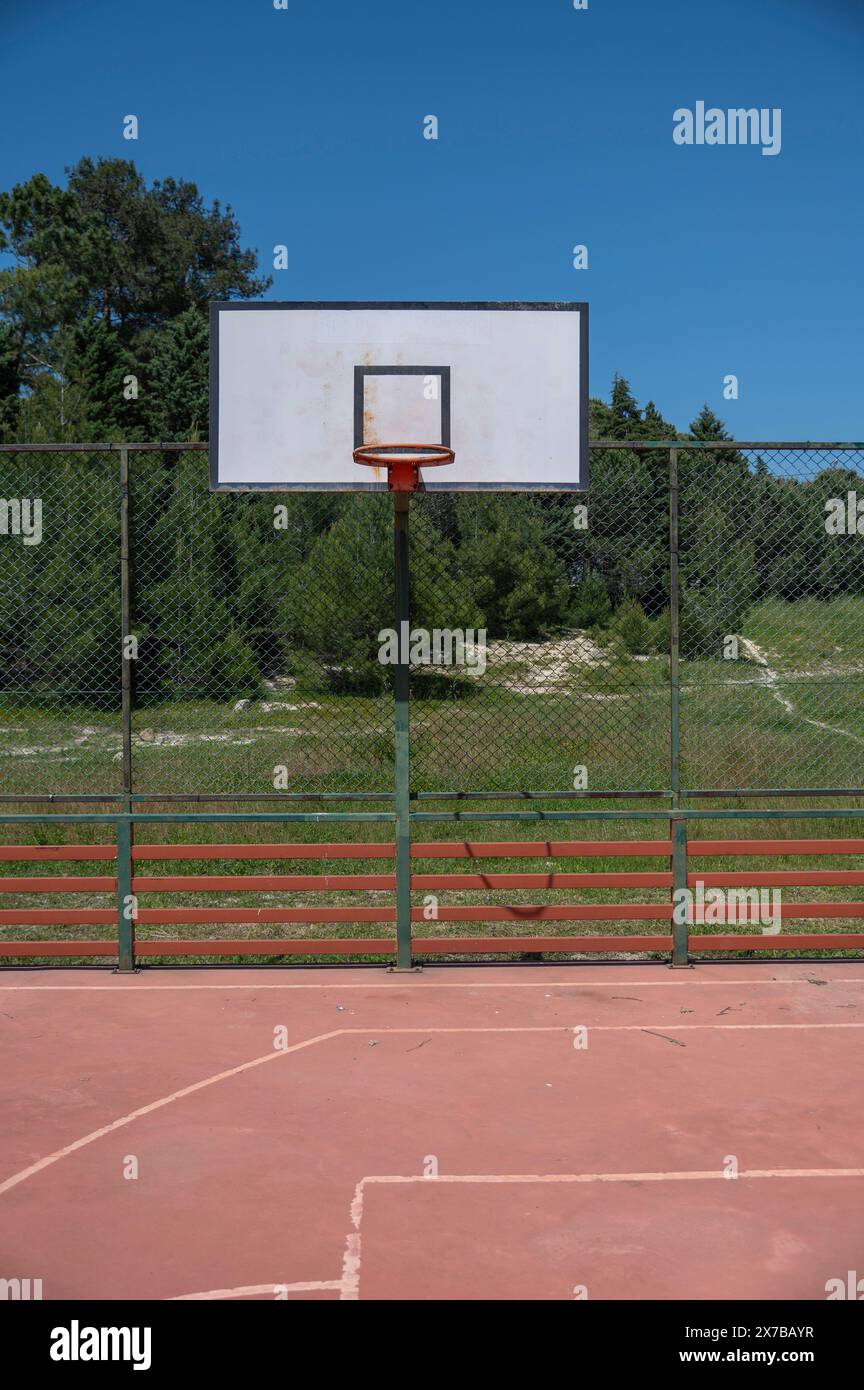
563, 1171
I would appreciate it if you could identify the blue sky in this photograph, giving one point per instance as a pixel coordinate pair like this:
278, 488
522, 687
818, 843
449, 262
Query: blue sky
555, 128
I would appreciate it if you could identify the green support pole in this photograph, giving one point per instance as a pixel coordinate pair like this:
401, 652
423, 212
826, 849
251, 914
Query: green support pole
125, 925
125, 624
674, 635
680, 957
402, 797
680, 930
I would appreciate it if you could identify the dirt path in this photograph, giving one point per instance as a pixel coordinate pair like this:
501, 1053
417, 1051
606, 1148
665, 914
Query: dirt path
771, 681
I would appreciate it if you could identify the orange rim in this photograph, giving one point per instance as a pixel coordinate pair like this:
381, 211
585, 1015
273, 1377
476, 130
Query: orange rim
415, 455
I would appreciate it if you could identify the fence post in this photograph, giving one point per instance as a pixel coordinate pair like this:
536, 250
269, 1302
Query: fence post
125, 921
402, 726
674, 635
125, 622
680, 930
125, 926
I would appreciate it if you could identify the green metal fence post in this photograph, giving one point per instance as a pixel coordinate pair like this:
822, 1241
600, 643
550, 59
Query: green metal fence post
125, 623
402, 725
680, 956
674, 635
125, 923
680, 929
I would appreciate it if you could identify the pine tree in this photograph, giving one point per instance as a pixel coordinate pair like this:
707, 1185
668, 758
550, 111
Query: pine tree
175, 394
654, 426
10, 382
98, 366
515, 578
708, 426
625, 415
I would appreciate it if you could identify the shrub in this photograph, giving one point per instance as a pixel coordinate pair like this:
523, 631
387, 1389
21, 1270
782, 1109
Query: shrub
635, 629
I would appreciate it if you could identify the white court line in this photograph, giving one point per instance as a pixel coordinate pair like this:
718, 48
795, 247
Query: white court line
271, 1056
679, 982
672, 1175
95, 1134
619, 1028
605, 1028
352, 1259
350, 1283
250, 1289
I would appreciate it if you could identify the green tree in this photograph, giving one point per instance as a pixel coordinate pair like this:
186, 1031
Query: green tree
175, 394
516, 579
634, 628
98, 366
592, 606
109, 247
10, 382
625, 418
192, 641
342, 597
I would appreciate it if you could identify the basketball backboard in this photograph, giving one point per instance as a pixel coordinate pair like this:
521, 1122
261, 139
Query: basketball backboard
295, 388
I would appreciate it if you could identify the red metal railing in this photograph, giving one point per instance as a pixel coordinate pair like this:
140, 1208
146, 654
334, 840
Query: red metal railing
522, 914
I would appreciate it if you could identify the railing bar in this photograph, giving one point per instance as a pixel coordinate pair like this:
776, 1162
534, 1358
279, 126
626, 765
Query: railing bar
202, 446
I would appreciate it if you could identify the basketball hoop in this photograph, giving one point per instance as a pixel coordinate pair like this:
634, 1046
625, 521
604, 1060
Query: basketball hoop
403, 462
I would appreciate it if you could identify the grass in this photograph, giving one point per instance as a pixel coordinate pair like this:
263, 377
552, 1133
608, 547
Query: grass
810, 633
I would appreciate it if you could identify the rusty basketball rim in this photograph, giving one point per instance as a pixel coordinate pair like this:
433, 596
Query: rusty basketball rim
403, 462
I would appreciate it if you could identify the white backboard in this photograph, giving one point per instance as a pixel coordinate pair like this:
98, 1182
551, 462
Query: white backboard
296, 387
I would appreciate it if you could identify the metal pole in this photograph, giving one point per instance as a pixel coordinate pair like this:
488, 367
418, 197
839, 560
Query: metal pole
125, 921
402, 725
677, 827
680, 929
125, 924
674, 634
125, 622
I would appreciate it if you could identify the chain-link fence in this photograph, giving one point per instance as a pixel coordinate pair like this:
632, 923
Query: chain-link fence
772, 602
692, 624
60, 654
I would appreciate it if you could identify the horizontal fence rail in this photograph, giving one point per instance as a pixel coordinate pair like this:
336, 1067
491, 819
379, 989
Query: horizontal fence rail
679, 939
